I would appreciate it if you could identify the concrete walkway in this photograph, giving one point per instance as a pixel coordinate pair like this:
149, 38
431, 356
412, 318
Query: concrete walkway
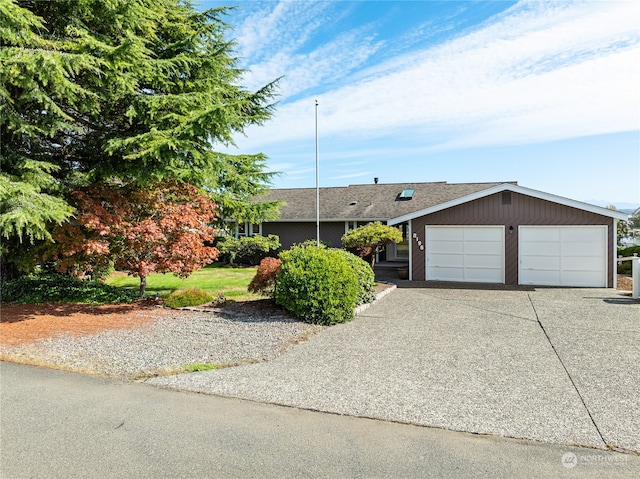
554, 365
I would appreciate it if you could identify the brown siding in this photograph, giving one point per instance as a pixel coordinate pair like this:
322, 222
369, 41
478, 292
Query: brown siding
523, 210
291, 233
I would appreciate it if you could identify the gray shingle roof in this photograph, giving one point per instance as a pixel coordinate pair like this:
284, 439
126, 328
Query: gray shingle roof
367, 202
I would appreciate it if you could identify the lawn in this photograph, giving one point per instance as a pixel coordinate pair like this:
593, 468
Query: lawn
215, 278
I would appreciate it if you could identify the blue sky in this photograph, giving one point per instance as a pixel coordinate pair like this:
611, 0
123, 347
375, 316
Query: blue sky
543, 93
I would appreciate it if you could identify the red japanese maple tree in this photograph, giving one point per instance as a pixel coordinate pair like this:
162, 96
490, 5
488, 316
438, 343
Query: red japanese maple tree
163, 228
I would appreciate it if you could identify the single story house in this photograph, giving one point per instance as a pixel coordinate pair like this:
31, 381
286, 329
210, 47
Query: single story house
467, 232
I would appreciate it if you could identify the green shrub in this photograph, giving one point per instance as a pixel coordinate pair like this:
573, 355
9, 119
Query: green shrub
312, 243
103, 271
367, 240
365, 276
317, 285
624, 267
57, 288
247, 249
188, 297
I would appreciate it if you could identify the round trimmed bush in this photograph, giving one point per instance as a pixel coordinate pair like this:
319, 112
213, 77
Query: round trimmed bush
187, 297
317, 285
365, 276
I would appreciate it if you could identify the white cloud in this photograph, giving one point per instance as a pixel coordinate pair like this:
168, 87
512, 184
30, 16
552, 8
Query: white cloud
274, 43
539, 71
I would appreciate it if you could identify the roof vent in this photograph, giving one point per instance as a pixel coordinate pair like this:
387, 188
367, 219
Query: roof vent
406, 194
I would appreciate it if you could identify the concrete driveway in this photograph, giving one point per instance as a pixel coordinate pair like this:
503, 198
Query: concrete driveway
555, 365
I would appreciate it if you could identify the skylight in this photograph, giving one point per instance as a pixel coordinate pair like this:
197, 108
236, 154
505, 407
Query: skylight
406, 194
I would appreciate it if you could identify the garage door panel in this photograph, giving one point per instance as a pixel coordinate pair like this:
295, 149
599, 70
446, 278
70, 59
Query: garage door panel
576, 258
581, 278
579, 234
581, 263
452, 247
541, 262
483, 275
543, 277
539, 248
543, 235
446, 234
482, 234
447, 274
484, 261
474, 254
593, 249
447, 260
483, 247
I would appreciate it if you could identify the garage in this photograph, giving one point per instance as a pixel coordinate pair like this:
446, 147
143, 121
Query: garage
465, 253
508, 234
563, 255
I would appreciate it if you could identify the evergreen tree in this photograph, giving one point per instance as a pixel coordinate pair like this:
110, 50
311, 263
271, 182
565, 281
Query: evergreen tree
132, 91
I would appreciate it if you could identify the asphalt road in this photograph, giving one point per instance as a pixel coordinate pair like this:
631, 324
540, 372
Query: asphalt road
55, 424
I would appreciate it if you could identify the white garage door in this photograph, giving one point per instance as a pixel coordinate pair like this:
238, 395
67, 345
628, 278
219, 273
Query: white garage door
465, 253
563, 255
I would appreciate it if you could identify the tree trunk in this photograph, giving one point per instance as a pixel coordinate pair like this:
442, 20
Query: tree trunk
143, 286
8, 270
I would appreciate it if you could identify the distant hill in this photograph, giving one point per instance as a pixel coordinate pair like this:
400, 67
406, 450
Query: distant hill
627, 208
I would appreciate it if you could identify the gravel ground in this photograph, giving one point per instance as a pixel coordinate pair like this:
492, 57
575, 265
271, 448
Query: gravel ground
235, 334
169, 343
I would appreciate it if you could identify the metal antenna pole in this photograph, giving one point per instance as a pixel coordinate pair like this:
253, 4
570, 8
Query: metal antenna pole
317, 184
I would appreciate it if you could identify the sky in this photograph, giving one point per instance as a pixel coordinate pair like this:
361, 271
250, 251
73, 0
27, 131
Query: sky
545, 93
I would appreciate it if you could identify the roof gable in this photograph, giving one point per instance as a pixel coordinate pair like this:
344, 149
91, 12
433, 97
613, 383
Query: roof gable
513, 188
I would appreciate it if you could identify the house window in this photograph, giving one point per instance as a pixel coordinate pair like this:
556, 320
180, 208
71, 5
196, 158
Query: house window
402, 248
248, 229
350, 225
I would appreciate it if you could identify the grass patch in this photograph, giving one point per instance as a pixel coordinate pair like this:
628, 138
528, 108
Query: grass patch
192, 368
214, 279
